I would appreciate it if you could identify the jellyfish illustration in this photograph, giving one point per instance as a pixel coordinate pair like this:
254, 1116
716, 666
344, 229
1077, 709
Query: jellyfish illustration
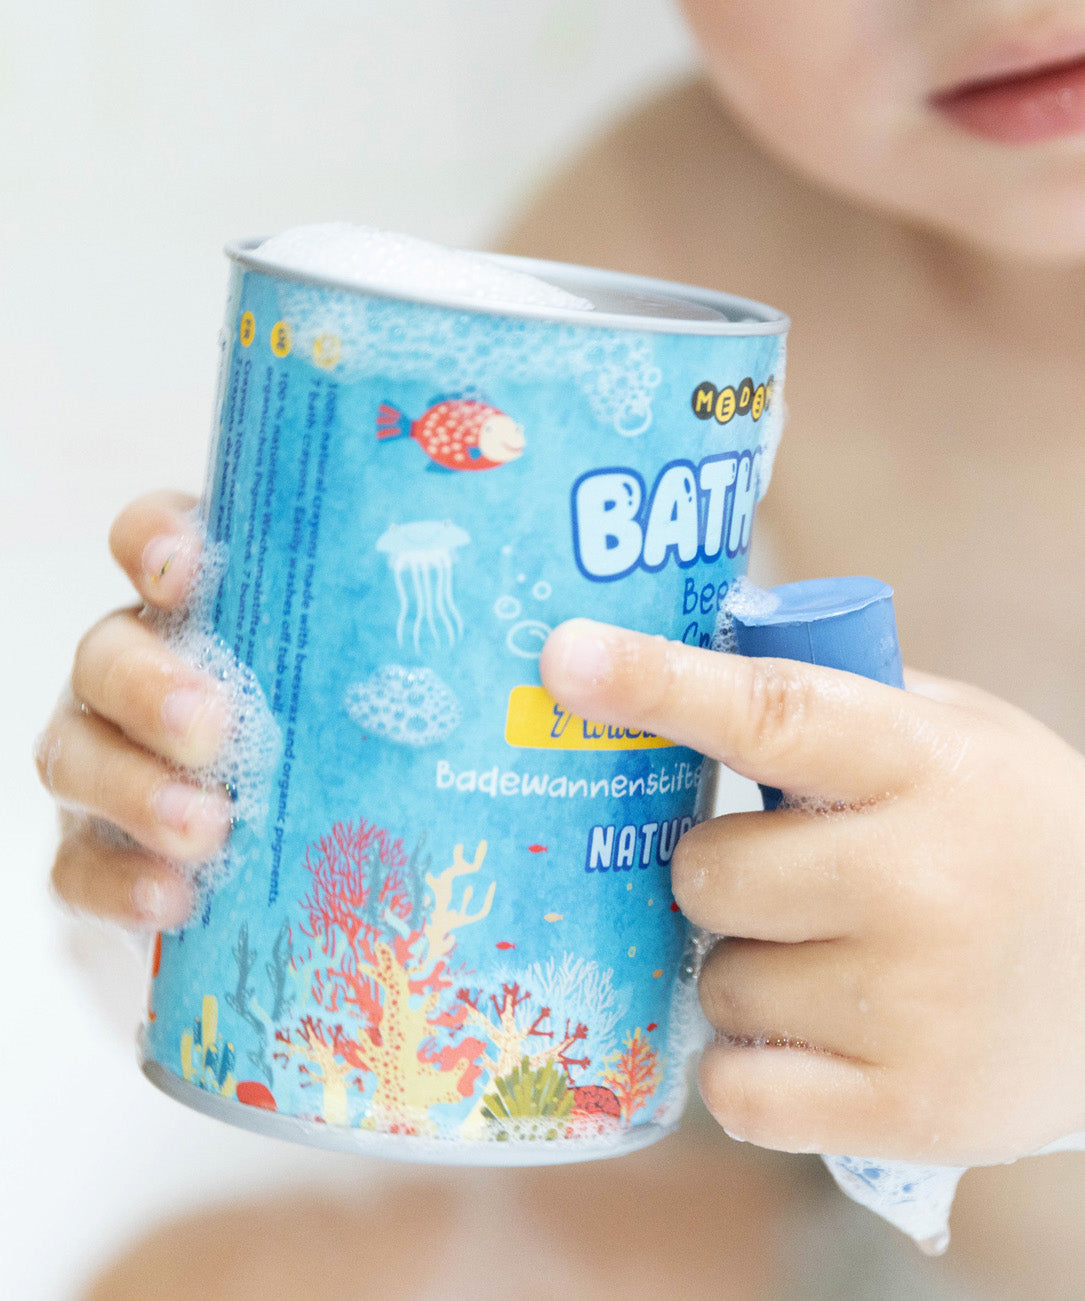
424, 550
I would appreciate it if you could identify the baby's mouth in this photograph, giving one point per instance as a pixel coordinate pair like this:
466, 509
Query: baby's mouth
1022, 108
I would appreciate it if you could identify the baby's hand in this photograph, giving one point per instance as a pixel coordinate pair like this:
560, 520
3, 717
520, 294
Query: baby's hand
112, 749
904, 973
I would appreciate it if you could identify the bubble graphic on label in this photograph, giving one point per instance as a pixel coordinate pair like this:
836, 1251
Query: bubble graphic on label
454, 350
507, 607
526, 638
423, 551
409, 706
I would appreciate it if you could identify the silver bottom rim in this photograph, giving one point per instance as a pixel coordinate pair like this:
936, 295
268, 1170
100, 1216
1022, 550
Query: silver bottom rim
400, 1147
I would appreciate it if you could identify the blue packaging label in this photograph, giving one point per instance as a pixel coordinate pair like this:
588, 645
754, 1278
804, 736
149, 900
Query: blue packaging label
453, 918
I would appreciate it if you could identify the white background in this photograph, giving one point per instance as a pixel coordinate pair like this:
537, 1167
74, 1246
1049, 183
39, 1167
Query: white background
136, 138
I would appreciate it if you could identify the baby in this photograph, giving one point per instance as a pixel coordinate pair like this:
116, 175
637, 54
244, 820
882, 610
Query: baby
906, 974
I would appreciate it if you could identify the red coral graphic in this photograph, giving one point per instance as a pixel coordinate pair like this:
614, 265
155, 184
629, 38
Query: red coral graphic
378, 967
634, 1074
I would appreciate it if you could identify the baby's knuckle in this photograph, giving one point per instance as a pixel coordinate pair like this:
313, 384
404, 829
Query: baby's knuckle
85, 653
776, 704
46, 754
124, 672
69, 875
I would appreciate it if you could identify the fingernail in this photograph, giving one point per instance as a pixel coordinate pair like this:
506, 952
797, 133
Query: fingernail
158, 555
186, 809
585, 653
175, 804
161, 904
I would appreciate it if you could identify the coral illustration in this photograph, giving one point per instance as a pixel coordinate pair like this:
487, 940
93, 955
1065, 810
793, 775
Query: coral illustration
575, 990
510, 1035
378, 970
207, 1060
634, 1074
529, 1093
278, 970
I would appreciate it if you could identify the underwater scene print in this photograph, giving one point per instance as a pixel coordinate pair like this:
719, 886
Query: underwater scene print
449, 921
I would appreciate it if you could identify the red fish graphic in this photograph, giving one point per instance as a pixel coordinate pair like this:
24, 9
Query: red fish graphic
458, 433
536, 849
505, 944
652, 1025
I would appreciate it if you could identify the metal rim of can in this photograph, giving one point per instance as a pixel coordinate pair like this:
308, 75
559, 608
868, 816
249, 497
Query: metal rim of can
754, 318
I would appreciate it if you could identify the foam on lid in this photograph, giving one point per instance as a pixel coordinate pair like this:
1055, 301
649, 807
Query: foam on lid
366, 258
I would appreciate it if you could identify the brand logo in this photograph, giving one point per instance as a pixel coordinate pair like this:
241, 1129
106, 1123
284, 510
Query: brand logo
723, 404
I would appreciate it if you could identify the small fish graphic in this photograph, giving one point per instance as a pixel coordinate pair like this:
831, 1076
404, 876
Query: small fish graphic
553, 917
675, 908
458, 433
652, 1025
537, 849
505, 944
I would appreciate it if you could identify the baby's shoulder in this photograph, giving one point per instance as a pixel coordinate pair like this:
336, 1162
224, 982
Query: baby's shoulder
676, 189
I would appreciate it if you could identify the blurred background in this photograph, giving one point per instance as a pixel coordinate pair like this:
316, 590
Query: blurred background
136, 138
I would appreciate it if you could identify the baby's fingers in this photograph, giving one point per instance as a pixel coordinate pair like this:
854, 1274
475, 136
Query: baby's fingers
126, 675
85, 762
129, 886
796, 1099
800, 728
158, 546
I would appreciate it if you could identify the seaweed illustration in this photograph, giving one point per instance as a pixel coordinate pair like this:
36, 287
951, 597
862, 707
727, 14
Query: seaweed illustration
529, 1093
207, 1060
378, 970
634, 1074
243, 997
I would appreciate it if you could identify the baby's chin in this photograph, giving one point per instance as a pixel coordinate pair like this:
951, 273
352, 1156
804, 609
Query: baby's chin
1017, 209
1031, 231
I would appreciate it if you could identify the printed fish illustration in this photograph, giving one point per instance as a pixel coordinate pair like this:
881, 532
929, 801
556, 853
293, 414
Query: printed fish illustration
553, 917
652, 1025
537, 849
458, 433
505, 944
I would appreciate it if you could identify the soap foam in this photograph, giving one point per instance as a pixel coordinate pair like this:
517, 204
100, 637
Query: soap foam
745, 600
392, 263
250, 750
356, 335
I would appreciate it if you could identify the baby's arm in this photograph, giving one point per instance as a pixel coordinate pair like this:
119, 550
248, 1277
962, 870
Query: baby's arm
905, 966
134, 716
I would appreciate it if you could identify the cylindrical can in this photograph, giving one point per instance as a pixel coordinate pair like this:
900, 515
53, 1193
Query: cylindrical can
448, 933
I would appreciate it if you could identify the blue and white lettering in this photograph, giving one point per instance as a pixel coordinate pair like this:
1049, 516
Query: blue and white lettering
692, 511
607, 534
672, 517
